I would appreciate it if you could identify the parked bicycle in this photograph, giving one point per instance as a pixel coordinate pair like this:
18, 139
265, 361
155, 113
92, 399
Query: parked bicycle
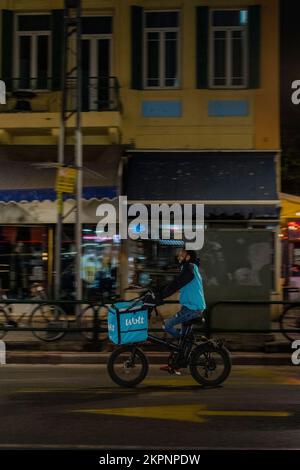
91, 315
209, 361
44, 315
289, 322
93, 312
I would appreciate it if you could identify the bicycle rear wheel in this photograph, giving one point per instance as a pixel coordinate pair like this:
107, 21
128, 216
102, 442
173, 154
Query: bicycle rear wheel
210, 365
127, 366
290, 320
50, 317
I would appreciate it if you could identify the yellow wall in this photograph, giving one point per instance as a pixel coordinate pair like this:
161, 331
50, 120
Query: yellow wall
194, 130
290, 207
260, 130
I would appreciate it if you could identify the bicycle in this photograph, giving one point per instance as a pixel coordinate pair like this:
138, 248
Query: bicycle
94, 311
42, 316
128, 365
289, 322
91, 314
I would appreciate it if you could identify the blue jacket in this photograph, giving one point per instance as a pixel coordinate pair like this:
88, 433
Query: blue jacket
189, 283
192, 294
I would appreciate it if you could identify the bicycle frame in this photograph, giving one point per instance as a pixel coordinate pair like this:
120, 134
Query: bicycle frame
167, 344
184, 347
10, 316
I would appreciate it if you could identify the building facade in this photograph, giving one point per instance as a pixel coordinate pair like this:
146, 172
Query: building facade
183, 96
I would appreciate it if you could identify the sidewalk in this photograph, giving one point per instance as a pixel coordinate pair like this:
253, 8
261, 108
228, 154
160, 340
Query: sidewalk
24, 348
63, 357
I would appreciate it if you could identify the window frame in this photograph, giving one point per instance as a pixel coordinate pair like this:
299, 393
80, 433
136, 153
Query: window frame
94, 77
33, 61
162, 41
228, 45
93, 37
103, 36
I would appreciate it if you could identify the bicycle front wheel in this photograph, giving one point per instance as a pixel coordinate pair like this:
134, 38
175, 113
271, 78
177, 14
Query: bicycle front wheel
49, 317
210, 365
127, 366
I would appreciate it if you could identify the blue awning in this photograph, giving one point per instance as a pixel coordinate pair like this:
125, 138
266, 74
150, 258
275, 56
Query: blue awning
22, 179
49, 194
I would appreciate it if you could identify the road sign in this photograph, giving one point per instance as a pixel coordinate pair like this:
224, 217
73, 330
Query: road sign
66, 180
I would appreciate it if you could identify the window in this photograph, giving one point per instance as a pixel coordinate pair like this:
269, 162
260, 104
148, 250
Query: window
23, 258
96, 25
97, 86
161, 49
99, 262
228, 48
32, 60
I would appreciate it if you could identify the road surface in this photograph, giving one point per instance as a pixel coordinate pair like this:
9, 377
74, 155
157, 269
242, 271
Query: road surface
62, 406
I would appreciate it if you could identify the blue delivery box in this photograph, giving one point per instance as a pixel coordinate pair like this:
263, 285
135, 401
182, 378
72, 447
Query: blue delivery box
127, 322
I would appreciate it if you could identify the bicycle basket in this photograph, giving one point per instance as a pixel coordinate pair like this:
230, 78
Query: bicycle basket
127, 322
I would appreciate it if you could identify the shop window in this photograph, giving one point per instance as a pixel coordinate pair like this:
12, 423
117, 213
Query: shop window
98, 267
152, 262
247, 275
23, 258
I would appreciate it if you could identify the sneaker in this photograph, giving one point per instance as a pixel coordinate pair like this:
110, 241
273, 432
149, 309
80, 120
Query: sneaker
171, 370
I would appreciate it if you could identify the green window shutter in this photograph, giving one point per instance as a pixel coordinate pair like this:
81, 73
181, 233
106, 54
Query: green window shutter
7, 48
202, 46
254, 45
57, 38
137, 47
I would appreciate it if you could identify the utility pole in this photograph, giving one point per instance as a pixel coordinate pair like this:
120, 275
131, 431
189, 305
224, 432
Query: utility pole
78, 236
71, 83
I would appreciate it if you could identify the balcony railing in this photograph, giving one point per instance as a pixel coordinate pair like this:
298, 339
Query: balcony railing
34, 94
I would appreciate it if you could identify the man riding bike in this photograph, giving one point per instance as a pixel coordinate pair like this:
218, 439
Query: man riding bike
191, 298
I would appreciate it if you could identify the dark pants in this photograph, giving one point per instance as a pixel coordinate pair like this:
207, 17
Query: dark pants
184, 315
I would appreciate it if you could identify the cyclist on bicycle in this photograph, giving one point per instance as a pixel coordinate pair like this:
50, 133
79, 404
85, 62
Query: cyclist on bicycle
191, 299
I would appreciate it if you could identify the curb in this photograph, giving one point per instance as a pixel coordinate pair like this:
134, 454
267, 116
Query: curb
154, 358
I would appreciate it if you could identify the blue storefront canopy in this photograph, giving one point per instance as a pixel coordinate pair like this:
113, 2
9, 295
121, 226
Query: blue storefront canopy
24, 179
49, 194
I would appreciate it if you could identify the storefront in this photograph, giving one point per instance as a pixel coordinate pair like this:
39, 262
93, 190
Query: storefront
240, 256
28, 213
290, 240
